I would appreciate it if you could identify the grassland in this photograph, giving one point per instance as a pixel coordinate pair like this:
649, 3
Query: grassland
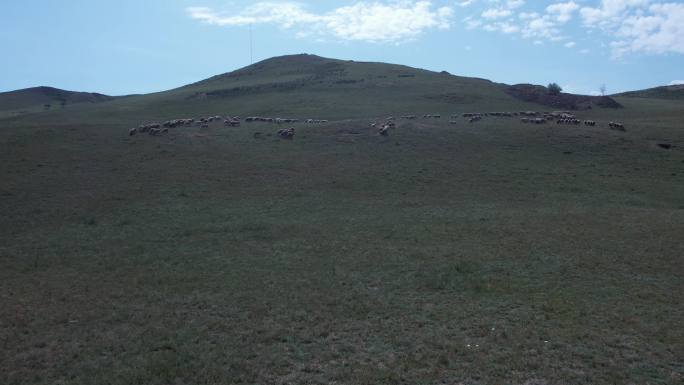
489, 253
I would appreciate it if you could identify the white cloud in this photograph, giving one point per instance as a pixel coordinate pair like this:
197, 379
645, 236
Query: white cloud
676, 82
528, 15
384, 22
540, 27
512, 4
465, 3
471, 23
562, 12
657, 30
570, 44
503, 27
609, 12
496, 13
542, 24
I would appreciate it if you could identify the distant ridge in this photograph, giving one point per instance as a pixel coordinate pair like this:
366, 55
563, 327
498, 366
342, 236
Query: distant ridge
40, 97
540, 95
674, 92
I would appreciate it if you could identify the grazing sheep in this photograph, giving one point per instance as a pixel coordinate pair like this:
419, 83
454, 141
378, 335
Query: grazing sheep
132, 131
568, 120
147, 127
286, 133
616, 126
384, 130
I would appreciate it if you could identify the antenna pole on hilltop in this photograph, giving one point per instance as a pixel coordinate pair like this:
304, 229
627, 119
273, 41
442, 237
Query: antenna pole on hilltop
251, 44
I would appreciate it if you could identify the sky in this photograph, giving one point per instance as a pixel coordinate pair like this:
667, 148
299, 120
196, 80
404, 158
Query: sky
140, 46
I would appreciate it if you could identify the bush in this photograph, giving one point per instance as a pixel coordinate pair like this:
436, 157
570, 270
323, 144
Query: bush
554, 89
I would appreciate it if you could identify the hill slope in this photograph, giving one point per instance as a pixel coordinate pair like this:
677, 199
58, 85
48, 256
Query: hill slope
309, 86
675, 92
40, 97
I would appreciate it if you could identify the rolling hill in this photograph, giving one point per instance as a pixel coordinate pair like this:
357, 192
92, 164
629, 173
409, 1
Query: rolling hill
41, 98
675, 92
313, 86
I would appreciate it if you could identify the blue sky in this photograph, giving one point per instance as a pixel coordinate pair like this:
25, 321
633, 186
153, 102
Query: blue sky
139, 46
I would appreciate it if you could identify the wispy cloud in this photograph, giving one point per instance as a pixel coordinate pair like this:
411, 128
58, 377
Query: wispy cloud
622, 26
657, 30
496, 13
609, 12
379, 22
562, 12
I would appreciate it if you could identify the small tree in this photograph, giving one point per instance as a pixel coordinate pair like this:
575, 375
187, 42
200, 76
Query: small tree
603, 90
554, 89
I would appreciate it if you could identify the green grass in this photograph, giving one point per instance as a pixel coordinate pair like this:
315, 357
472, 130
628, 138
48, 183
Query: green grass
488, 253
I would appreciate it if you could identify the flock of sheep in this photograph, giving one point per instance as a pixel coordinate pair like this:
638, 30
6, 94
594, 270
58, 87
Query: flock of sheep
282, 120
534, 117
156, 129
561, 117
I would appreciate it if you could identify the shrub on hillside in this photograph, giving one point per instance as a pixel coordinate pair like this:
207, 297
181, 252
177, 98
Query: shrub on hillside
554, 88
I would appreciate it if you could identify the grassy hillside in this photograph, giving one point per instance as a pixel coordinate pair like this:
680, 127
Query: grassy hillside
44, 98
675, 92
489, 253
307, 86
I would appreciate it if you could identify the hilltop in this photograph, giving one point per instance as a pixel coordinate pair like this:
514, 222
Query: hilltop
309, 85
